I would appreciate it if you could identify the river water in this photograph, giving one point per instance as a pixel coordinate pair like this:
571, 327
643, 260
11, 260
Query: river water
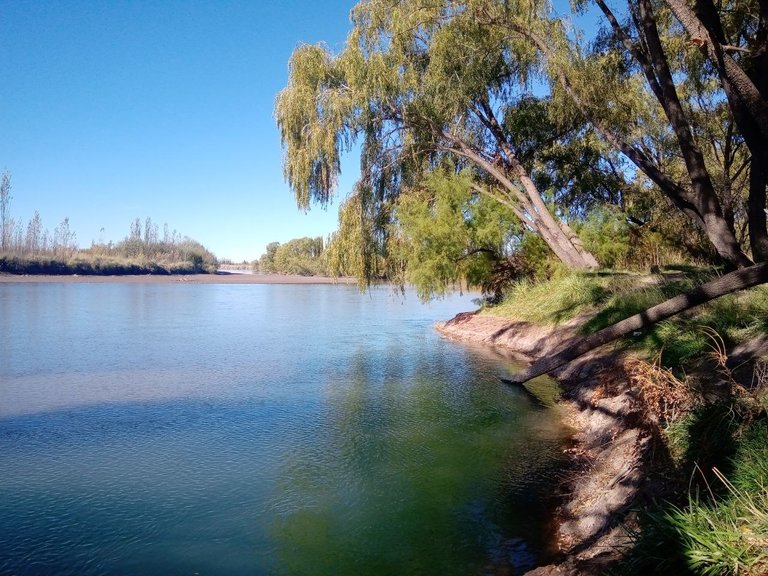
260, 429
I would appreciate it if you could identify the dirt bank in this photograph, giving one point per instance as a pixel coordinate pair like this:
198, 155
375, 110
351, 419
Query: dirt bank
606, 471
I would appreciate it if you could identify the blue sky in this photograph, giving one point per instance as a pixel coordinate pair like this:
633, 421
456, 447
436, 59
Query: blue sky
114, 109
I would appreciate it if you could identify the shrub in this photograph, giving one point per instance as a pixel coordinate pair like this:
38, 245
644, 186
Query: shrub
605, 233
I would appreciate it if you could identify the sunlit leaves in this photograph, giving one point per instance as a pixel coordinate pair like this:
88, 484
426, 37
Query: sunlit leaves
449, 235
313, 114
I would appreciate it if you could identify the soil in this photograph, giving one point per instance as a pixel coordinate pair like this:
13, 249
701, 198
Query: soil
610, 439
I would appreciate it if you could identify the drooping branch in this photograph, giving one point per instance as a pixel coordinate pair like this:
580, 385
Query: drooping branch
727, 284
505, 201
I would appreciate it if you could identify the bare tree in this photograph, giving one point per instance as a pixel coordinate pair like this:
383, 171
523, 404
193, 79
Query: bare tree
6, 225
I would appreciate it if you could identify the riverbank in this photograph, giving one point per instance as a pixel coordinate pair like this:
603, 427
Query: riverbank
219, 278
610, 442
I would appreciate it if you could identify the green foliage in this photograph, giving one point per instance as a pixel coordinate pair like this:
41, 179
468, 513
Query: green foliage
448, 235
267, 261
541, 261
360, 246
605, 233
419, 85
300, 256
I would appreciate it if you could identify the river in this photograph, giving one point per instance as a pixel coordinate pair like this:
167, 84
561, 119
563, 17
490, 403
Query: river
222, 429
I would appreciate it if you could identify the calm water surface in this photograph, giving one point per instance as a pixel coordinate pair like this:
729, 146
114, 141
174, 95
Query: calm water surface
259, 429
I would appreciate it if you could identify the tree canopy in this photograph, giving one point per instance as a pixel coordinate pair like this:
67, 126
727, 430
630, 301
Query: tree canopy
661, 111
416, 84
301, 256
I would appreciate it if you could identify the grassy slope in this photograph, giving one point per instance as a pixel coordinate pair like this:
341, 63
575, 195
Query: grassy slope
605, 298
715, 443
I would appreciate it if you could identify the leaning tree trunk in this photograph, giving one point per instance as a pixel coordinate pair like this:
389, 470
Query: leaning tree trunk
727, 284
563, 241
748, 106
731, 74
700, 203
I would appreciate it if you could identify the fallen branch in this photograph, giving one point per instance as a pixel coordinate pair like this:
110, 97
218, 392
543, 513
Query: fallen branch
726, 284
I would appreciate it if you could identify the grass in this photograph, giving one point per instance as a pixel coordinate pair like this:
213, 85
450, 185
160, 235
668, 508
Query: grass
722, 530
561, 298
687, 338
714, 444
612, 296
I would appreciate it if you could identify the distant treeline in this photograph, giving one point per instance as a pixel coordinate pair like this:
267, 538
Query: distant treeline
31, 249
302, 256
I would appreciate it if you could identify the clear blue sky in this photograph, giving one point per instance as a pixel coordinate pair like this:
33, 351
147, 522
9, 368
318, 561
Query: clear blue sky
114, 109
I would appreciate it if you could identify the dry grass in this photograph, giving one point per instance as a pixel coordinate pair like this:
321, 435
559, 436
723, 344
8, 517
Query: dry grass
664, 396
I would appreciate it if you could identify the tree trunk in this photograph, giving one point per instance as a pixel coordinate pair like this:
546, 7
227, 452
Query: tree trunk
559, 237
756, 206
563, 241
730, 72
706, 21
700, 204
703, 196
727, 284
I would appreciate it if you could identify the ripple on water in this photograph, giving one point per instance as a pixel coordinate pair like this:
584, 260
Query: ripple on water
367, 445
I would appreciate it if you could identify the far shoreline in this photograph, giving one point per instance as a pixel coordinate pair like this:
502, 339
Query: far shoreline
217, 278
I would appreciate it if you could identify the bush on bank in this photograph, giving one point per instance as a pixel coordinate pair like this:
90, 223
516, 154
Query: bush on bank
89, 265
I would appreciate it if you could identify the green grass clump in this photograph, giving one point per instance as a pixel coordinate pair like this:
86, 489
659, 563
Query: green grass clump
560, 298
723, 528
729, 535
684, 339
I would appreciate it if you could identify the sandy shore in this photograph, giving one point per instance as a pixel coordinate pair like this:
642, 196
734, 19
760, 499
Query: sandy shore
220, 278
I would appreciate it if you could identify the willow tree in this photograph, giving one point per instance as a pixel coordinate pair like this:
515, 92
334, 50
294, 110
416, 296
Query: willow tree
418, 82
627, 89
643, 90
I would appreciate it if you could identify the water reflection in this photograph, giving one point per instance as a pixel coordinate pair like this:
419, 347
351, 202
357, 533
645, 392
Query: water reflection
426, 475
172, 429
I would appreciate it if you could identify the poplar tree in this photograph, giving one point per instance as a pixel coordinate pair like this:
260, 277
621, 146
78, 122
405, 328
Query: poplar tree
6, 224
34, 237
